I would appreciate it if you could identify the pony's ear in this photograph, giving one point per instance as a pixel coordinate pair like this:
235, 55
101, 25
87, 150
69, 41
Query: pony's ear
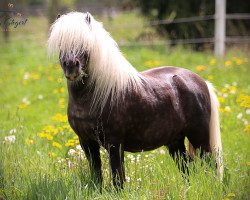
88, 17
58, 16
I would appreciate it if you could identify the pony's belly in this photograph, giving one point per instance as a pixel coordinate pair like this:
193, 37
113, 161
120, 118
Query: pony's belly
146, 142
140, 148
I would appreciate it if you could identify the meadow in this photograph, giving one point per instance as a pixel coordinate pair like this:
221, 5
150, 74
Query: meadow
40, 156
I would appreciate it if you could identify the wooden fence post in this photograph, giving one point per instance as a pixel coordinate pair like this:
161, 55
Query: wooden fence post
220, 27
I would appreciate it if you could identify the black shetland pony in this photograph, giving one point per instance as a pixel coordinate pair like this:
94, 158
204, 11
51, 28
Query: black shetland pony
113, 105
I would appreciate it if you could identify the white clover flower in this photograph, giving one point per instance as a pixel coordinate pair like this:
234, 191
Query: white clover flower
61, 160
248, 111
234, 83
26, 76
10, 139
40, 97
226, 85
127, 178
71, 152
227, 108
245, 122
78, 147
162, 151
12, 131
239, 116
139, 180
25, 101
219, 93
225, 95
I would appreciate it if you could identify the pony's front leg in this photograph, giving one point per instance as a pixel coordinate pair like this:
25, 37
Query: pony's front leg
116, 155
92, 152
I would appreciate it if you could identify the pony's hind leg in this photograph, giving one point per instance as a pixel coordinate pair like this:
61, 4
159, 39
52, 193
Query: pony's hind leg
178, 152
199, 140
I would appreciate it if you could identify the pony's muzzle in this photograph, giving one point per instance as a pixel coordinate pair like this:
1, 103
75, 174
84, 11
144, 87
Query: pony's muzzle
71, 76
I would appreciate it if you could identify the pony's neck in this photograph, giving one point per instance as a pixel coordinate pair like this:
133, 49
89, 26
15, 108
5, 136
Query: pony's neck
110, 72
79, 91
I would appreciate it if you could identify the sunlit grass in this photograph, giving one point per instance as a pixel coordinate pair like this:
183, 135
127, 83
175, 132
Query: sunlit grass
43, 159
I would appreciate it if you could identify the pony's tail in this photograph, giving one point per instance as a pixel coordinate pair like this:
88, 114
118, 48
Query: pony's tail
214, 132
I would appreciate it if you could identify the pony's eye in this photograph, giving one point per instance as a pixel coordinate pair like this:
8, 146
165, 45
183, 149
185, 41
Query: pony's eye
64, 63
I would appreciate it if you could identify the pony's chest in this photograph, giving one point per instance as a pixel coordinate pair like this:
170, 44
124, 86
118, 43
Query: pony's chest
80, 121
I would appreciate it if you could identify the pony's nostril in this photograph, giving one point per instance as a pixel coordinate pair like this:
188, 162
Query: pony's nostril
77, 63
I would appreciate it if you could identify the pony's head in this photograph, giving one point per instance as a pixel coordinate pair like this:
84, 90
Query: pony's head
71, 38
85, 47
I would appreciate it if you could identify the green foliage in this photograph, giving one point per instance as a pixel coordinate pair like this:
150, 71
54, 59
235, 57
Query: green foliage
32, 168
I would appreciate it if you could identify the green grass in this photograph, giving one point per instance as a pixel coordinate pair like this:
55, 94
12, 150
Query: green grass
31, 170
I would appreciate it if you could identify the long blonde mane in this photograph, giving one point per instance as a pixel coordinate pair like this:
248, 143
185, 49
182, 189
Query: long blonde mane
109, 71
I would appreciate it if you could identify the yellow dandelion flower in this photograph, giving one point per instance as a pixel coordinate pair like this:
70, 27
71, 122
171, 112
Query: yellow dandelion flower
224, 90
62, 89
221, 99
48, 128
22, 105
75, 137
71, 141
59, 80
228, 63
247, 128
42, 135
210, 77
55, 91
62, 106
60, 118
77, 141
221, 110
69, 144
40, 68
152, 63
232, 89
60, 129
49, 137
51, 154
51, 129
29, 141
51, 79
244, 100
57, 66
227, 109
200, 68
66, 126
56, 144
212, 61
239, 62
35, 76
231, 195
61, 103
